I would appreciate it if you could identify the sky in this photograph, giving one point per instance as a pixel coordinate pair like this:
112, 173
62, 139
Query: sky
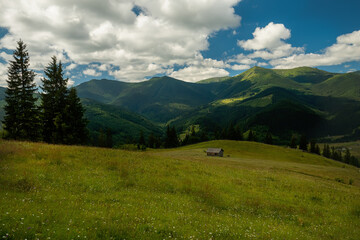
191, 40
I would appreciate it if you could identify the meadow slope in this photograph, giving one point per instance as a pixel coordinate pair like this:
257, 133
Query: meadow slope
256, 191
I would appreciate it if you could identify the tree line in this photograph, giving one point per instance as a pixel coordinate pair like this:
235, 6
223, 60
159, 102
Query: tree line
58, 118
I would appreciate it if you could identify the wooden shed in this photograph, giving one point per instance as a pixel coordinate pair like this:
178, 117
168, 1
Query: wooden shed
218, 152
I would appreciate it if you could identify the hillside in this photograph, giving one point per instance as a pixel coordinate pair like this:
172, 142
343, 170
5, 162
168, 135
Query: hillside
124, 125
305, 74
159, 99
65, 192
344, 85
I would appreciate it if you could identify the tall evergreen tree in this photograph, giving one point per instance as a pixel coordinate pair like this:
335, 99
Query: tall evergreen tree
293, 142
54, 102
74, 125
303, 143
251, 136
21, 119
326, 151
171, 138
268, 138
109, 138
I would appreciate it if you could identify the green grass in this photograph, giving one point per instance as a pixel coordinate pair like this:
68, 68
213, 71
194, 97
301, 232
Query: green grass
255, 192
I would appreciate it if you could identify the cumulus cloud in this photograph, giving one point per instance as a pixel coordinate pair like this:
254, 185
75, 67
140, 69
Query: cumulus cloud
346, 49
71, 66
268, 42
91, 72
135, 45
197, 73
3, 75
237, 67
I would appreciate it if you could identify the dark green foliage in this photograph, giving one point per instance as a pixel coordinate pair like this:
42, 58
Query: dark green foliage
153, 141
141, 143
293, 141
109, 139
62, 112
336, 154
314, 148
21, 120
251, 136
101, 142
268, 138
54, 103
354, 161
326, 151
171, 139
347, 157
303, 145
75, 122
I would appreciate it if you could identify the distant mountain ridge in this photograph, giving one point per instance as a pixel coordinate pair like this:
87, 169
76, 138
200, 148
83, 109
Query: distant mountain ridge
248, 100
283, 101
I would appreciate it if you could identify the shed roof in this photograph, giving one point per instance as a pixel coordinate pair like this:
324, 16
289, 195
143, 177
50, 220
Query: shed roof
214, 150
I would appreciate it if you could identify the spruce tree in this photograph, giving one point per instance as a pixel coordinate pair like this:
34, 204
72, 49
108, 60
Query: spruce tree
74, 125
54, 102
21, 119
303, 143
251, 136
293, 141
268, 138
109, 138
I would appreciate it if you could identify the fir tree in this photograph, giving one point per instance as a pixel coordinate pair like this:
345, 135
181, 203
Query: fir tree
171, 139
109, 138
303, 143
54, 102
313, 146
293, 141
251, 136
21, 119
347, 157
268, 138
75, 131
326, 151
152, 141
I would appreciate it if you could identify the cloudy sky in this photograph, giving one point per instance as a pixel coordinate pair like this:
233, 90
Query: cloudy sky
134, 40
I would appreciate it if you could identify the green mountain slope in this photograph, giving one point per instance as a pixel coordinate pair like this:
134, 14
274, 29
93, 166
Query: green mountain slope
125, 126
159, 99
305, 74
344, 85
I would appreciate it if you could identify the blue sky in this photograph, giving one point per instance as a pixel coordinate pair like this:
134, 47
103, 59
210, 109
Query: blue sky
133, 40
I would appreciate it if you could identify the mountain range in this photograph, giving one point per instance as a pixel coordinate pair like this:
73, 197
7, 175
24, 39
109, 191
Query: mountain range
301, 100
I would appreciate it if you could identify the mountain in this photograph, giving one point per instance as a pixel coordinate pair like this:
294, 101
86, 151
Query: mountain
305, 74
284, 101
160, 99
124, 125
341, 85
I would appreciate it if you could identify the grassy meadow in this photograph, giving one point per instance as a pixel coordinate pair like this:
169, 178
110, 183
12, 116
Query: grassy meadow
256, 191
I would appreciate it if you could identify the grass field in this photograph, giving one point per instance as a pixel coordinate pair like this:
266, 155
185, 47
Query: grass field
256, 191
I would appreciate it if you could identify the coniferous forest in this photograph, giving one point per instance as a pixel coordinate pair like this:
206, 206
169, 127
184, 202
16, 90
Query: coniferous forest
59, 118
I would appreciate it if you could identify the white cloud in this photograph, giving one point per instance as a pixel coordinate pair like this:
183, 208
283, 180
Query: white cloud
237, 67
346, 49
72, 66
268, 42
109, 32
3, 74
91, 72
196, 73
70, 82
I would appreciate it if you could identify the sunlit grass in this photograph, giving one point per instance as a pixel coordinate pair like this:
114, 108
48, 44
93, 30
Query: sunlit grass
255, 192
